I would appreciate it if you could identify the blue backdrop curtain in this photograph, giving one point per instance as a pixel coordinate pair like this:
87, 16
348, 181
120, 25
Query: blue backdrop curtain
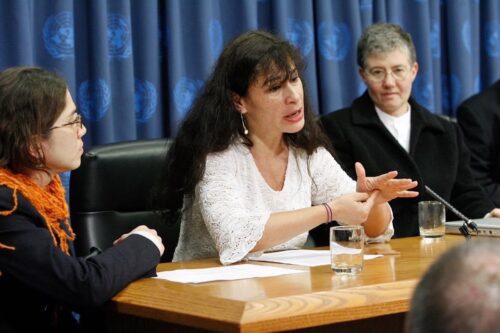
135, 66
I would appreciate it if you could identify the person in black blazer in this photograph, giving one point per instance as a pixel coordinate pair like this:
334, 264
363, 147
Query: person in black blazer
41, 283
479, 119
386, 129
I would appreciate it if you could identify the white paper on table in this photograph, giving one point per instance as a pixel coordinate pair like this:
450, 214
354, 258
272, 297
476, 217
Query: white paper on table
308, 258
234, 272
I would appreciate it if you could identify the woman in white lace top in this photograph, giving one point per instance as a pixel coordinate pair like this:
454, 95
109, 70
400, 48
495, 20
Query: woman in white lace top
252, 168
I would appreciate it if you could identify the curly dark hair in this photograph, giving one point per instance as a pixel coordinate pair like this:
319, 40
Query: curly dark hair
31, 100
213, 122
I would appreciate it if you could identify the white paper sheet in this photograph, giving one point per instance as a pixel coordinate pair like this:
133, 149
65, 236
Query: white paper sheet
308, 258
234, 272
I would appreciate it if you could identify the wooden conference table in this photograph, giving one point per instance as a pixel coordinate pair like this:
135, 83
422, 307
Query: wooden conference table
316, 300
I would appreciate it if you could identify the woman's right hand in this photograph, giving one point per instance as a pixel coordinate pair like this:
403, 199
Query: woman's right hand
149, 233
353, 208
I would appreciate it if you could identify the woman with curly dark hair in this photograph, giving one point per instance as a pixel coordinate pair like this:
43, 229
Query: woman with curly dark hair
252, 168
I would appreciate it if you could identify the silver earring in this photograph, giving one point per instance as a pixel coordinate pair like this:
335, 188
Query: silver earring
245, 129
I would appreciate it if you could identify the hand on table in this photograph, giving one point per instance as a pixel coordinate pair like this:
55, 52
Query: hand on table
144, 231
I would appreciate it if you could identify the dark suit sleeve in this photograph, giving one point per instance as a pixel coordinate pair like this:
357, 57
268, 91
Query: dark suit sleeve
467, 195
41, 266
342, 150
478, 133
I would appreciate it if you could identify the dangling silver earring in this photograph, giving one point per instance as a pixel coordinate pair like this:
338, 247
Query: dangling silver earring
245, 129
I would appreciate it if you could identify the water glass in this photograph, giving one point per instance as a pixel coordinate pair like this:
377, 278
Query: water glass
431, 217
346, 249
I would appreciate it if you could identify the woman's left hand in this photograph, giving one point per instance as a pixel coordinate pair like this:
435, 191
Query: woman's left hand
389, 187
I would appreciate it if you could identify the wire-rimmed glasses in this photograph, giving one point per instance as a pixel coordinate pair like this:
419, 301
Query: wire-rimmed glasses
399, 73
78, 122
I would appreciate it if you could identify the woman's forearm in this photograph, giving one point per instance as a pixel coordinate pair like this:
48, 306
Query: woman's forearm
378, 220
283, 226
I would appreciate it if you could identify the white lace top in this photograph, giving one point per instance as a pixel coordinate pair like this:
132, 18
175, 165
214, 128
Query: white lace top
232, 203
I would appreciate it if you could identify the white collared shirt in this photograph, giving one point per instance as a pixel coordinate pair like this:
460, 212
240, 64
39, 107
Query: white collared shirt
399, 127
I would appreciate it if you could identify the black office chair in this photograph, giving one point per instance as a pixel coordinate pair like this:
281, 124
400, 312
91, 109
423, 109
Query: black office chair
111, 193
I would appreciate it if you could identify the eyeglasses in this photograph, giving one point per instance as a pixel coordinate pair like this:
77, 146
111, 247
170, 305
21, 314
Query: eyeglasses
75, 123
399, 73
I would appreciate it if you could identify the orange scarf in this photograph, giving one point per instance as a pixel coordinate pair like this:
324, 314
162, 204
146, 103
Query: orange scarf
49, 202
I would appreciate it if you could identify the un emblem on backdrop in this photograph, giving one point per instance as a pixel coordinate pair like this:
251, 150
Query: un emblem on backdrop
300, 34
146, 99
423, 91
492, 39
216, 37
58, 35
185, 92
334, 40
119, 42
94, 98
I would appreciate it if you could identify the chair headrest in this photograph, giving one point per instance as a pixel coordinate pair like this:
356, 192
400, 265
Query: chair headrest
118, 176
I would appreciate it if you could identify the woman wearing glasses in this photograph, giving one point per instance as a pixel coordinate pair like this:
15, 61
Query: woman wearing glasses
386, 129
40, 282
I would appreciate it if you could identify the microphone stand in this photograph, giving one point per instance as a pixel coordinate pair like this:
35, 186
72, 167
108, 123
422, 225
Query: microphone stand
468, 223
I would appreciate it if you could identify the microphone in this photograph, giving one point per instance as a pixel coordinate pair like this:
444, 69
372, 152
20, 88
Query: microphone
468, 223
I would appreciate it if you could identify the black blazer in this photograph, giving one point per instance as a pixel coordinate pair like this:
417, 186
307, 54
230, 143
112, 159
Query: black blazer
438, 158
479, 118
40, 282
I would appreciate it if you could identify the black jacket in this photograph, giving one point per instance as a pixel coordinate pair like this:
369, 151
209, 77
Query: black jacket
438, 158
39, 282
479, 118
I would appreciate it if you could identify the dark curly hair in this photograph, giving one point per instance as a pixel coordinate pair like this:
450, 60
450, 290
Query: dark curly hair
213, 123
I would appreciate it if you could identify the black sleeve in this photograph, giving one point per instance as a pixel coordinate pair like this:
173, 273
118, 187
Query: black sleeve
43, 267
466, 192
478, 134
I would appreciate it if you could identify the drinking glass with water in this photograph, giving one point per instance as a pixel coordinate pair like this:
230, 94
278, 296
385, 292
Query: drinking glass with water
346, 249
431, 218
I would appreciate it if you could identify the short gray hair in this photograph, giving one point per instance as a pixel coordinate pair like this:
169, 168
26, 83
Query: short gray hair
382, 38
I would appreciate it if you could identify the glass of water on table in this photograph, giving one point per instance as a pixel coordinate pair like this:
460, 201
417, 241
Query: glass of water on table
346, 249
